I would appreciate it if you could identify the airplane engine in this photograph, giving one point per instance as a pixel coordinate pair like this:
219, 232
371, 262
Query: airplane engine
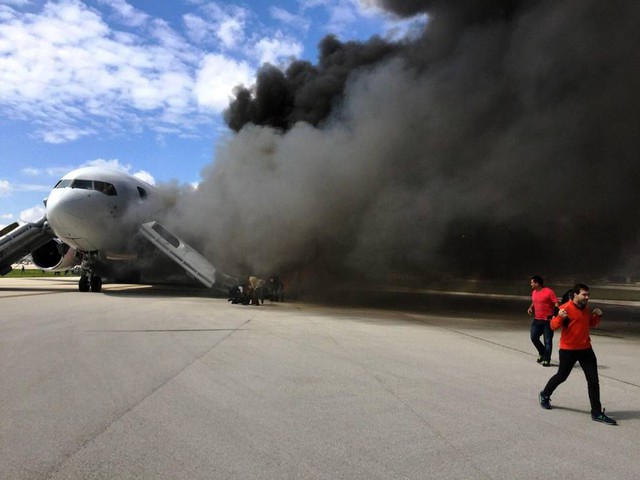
55, 256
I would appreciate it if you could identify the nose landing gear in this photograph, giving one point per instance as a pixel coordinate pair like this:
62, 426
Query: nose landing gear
90, 282
88, 279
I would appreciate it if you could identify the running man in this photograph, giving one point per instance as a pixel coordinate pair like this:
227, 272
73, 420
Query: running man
575, 346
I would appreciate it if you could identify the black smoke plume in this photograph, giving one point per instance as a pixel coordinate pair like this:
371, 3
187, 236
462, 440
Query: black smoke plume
303, 92
503, 141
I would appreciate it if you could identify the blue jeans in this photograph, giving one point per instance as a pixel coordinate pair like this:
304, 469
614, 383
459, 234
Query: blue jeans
542, 328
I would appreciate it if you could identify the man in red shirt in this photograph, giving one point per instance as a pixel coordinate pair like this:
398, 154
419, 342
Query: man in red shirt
543, 306
575, 346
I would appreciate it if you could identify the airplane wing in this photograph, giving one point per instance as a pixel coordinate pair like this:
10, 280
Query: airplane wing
191, 261
17, 242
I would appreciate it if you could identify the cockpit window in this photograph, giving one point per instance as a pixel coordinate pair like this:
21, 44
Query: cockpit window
65, 182
142, 192
84, 184
102, 187
106, 188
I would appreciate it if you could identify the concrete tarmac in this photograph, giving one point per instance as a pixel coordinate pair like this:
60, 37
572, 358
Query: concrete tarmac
153, 383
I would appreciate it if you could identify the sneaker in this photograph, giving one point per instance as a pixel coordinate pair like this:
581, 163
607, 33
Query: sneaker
545, 401
602, 418
546, 363
539, 360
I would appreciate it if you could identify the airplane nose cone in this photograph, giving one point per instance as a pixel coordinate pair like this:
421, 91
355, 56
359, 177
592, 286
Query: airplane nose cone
64, 214
73, 218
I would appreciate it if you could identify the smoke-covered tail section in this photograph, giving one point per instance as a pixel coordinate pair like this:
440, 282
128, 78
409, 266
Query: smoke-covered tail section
502, 140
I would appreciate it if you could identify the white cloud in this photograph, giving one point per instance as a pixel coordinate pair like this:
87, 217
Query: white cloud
63, 134
49, 172
341, 13
30, 187
32, 214
394, 28
370, 7
8, 188
112, 163
72, 75
347, 15
32, 172
117, 165
277, 49
230, 32
13, 189
307, 4
68, 72
17, 3
398, 29
127, 14
5, 188
145, 177
223, 27
216, 79
197, 28
59, 171
292, 20
5, 219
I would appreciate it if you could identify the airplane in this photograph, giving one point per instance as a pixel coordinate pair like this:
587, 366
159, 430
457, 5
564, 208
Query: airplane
104, 222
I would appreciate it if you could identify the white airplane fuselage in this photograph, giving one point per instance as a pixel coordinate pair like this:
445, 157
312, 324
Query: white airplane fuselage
100, 209
106, 223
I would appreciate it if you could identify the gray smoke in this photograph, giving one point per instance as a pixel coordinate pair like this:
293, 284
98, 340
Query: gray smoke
503, 141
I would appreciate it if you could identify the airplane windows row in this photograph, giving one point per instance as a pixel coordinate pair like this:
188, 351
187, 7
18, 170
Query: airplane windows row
103, 187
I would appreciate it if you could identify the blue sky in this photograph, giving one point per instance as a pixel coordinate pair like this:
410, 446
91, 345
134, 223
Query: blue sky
141, 85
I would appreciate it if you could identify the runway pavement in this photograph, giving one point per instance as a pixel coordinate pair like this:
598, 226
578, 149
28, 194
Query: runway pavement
155, 383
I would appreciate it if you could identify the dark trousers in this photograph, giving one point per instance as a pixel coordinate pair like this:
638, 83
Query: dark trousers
542, 328
589, 364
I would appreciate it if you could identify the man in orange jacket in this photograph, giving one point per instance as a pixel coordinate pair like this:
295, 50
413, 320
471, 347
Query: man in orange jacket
575, 346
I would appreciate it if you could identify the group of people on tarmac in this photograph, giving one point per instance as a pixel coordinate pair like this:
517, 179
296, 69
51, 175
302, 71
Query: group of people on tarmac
575, 319
254, 291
